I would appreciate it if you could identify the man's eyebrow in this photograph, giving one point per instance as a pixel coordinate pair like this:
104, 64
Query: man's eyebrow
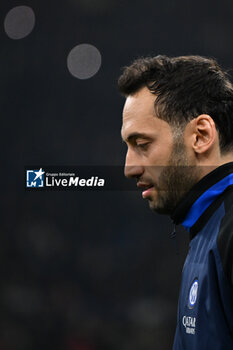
135, 135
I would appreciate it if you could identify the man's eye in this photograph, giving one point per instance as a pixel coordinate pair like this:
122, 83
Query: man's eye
143, 145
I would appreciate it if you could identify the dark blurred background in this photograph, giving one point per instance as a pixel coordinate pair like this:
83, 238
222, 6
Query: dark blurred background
87, 270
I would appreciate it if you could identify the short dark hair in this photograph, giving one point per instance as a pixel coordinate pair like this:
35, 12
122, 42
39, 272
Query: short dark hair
185, 86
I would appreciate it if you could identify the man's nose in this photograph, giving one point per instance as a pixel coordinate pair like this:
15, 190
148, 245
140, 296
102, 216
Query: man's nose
132, 168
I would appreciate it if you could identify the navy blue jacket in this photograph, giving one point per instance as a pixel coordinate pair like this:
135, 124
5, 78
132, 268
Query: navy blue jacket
205, 308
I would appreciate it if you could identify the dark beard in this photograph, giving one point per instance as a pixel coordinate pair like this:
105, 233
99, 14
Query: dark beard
175, 180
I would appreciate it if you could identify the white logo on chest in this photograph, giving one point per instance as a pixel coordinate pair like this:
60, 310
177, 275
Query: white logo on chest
190, 324
193, 294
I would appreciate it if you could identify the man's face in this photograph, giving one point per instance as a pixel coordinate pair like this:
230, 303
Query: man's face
157, 157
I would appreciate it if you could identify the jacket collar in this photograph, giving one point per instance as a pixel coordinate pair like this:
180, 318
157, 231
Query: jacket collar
192, 209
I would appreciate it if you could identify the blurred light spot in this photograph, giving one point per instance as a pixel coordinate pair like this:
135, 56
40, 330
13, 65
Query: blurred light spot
84, 61
19, 22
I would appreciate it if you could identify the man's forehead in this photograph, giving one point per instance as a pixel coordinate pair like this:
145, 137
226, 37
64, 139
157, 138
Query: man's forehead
138, 112
141, 102
137, 124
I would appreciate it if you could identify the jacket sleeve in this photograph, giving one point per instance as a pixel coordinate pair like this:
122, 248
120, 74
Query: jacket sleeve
225, 244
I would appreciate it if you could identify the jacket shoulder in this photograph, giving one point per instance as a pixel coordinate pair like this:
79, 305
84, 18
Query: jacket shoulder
225, 238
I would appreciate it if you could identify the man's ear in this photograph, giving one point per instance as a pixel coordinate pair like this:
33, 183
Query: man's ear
204, 134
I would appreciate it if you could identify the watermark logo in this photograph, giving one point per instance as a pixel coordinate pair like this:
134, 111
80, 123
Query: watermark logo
78, 178
35, 178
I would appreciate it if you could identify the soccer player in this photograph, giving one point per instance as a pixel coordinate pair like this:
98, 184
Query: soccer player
178, 126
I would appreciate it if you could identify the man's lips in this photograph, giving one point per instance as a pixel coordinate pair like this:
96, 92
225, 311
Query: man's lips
148, 188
